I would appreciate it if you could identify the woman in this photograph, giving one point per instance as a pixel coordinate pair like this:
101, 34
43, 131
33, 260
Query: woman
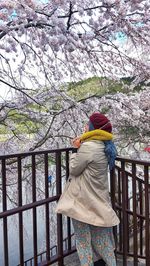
86, 195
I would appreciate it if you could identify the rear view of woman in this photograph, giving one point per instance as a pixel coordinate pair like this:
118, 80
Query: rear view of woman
86, 195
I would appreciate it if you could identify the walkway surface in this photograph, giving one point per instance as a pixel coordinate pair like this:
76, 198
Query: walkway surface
73, 260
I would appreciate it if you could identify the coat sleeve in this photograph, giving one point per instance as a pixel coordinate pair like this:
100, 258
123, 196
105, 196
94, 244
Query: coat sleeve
79, 161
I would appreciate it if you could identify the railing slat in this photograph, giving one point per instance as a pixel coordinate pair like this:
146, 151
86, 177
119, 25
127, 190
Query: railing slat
141, 220
119, 183
68, 219
147, 214
135, 231
5, 228
127, 214
124, 208
59, 216
34, 209
27, 206
20, 213
47, 209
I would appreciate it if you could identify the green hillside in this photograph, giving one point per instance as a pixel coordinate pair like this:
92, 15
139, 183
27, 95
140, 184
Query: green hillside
99, 86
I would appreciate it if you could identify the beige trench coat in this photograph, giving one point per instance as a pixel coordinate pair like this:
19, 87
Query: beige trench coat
86, 196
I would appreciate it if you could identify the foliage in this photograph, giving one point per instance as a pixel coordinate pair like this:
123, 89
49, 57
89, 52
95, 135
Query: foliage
44, 46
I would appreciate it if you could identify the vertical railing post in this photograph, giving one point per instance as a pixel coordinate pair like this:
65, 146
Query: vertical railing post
119, 189
141, 195
47, 209
113, 198
20, 213
124, 210
119, 202
147, 215
135, 231
34, 209
127, 216
68, 219
59, 216
4, 195
113, 188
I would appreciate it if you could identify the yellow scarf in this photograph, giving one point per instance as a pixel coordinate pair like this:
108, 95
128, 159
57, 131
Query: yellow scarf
96, 134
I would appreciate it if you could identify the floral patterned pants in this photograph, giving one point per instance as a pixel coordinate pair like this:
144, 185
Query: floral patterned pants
94, 241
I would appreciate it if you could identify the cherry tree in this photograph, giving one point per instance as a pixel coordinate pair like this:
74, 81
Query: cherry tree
46, 44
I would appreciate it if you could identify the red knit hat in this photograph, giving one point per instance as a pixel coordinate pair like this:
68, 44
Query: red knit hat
100, 121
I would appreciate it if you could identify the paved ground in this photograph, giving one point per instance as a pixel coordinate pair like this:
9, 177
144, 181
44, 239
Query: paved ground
73, 260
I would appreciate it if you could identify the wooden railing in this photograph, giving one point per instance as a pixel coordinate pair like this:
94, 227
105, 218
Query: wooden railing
36, 166
34, 180
130, 193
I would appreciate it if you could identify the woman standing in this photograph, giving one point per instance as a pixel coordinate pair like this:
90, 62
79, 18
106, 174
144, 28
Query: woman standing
86, 195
